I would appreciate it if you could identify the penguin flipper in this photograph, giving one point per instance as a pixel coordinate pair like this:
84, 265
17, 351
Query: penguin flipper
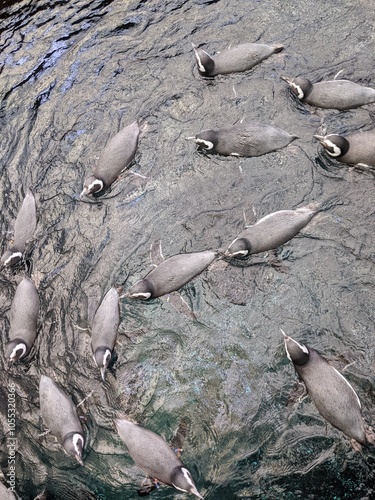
253, 218
156, 254
297, 394
275, 262
179, 304
148, 485
370, 435
179, 436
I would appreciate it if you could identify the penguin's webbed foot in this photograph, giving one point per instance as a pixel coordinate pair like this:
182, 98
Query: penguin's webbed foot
370, 435
275, 262
304, 394
279, 267
178, 452
148, 485
357, 447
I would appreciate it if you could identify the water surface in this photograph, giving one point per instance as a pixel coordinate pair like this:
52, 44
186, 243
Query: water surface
73, 73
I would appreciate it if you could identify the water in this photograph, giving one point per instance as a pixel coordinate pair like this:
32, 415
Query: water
74, 73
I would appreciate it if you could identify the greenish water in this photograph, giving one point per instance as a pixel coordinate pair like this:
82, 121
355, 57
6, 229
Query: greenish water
73, 73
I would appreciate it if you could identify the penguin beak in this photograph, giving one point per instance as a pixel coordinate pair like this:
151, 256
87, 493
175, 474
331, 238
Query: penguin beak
84, 192
102, 371
195, 492
284, 334
79, 460
319, 137
194, 48
286, 79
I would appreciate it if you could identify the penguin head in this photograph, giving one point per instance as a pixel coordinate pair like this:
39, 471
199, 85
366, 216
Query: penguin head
73, 444
142, 290
206, 140
15, 350
205, 62
11, 257
335, 145
102, 357
300, 86
297, 353
239, 248
181, 480
92, 185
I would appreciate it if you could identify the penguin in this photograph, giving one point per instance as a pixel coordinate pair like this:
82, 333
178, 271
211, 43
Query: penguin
233, 60
153, 455
355, 149
332, 394
116, 156
255, 139
60, 416
171, 274
23, 321
104, 330
272, 231
6, 494
332, 94
24, 229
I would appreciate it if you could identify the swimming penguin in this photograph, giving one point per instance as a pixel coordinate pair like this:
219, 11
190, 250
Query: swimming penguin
153, 455
244, 140
60, 416
104, 330
332, 394
116, 156
6, 494
355, 149
236, 59
24, 229
171, 274
332, 94
23, 321
272, 231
